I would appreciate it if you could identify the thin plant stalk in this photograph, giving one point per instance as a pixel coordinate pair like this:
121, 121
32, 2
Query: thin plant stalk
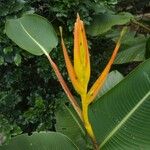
65, 87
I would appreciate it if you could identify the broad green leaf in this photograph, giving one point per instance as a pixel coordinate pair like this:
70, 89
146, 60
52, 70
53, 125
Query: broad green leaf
17, 59
33, 33
113, 78
121, 118
40, 141
68, 123
105, 21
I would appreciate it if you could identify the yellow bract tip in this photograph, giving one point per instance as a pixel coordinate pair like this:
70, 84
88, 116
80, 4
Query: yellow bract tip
78, 16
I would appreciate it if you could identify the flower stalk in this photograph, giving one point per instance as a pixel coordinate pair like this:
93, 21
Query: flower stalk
65, 87
79, 73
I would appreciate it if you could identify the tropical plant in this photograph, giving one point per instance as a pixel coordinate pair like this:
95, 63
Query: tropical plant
107, 124
32, 83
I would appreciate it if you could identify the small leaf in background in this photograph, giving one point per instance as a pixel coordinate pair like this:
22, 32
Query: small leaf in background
105, 21
33, 33
112, 2
7, 50
7, 129
1, 60
113, 78
40, 141
2, 138
17, 6
94, 90
17, 59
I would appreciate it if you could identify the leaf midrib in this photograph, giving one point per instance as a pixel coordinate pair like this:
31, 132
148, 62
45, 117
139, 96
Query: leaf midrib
124, 119
76, 120
32, 38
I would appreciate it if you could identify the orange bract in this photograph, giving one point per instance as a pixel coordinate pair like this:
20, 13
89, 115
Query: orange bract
81, 54
70, 68
80, 72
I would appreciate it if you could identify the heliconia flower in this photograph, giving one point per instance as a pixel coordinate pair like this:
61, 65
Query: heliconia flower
100, 81
81, 54
80, 73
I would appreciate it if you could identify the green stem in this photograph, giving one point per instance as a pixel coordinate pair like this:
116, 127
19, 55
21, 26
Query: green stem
86, 122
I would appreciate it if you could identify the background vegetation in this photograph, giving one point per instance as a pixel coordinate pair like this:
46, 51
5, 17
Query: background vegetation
29, 90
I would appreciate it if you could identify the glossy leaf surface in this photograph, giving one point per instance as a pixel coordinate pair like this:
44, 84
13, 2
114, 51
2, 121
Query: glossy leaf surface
113, 78
121, 118
68, 123
33, 33
40, 141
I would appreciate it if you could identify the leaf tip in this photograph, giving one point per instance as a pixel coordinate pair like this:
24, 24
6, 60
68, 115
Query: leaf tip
78, 16
60, 29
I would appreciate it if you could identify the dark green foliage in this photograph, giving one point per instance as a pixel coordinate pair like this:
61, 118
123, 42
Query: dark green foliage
148, 48
7, 129
26, 97
29, 89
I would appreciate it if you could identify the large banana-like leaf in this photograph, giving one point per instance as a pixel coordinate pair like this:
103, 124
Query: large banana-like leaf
121, 118
33, 33
68, 123
40, 141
